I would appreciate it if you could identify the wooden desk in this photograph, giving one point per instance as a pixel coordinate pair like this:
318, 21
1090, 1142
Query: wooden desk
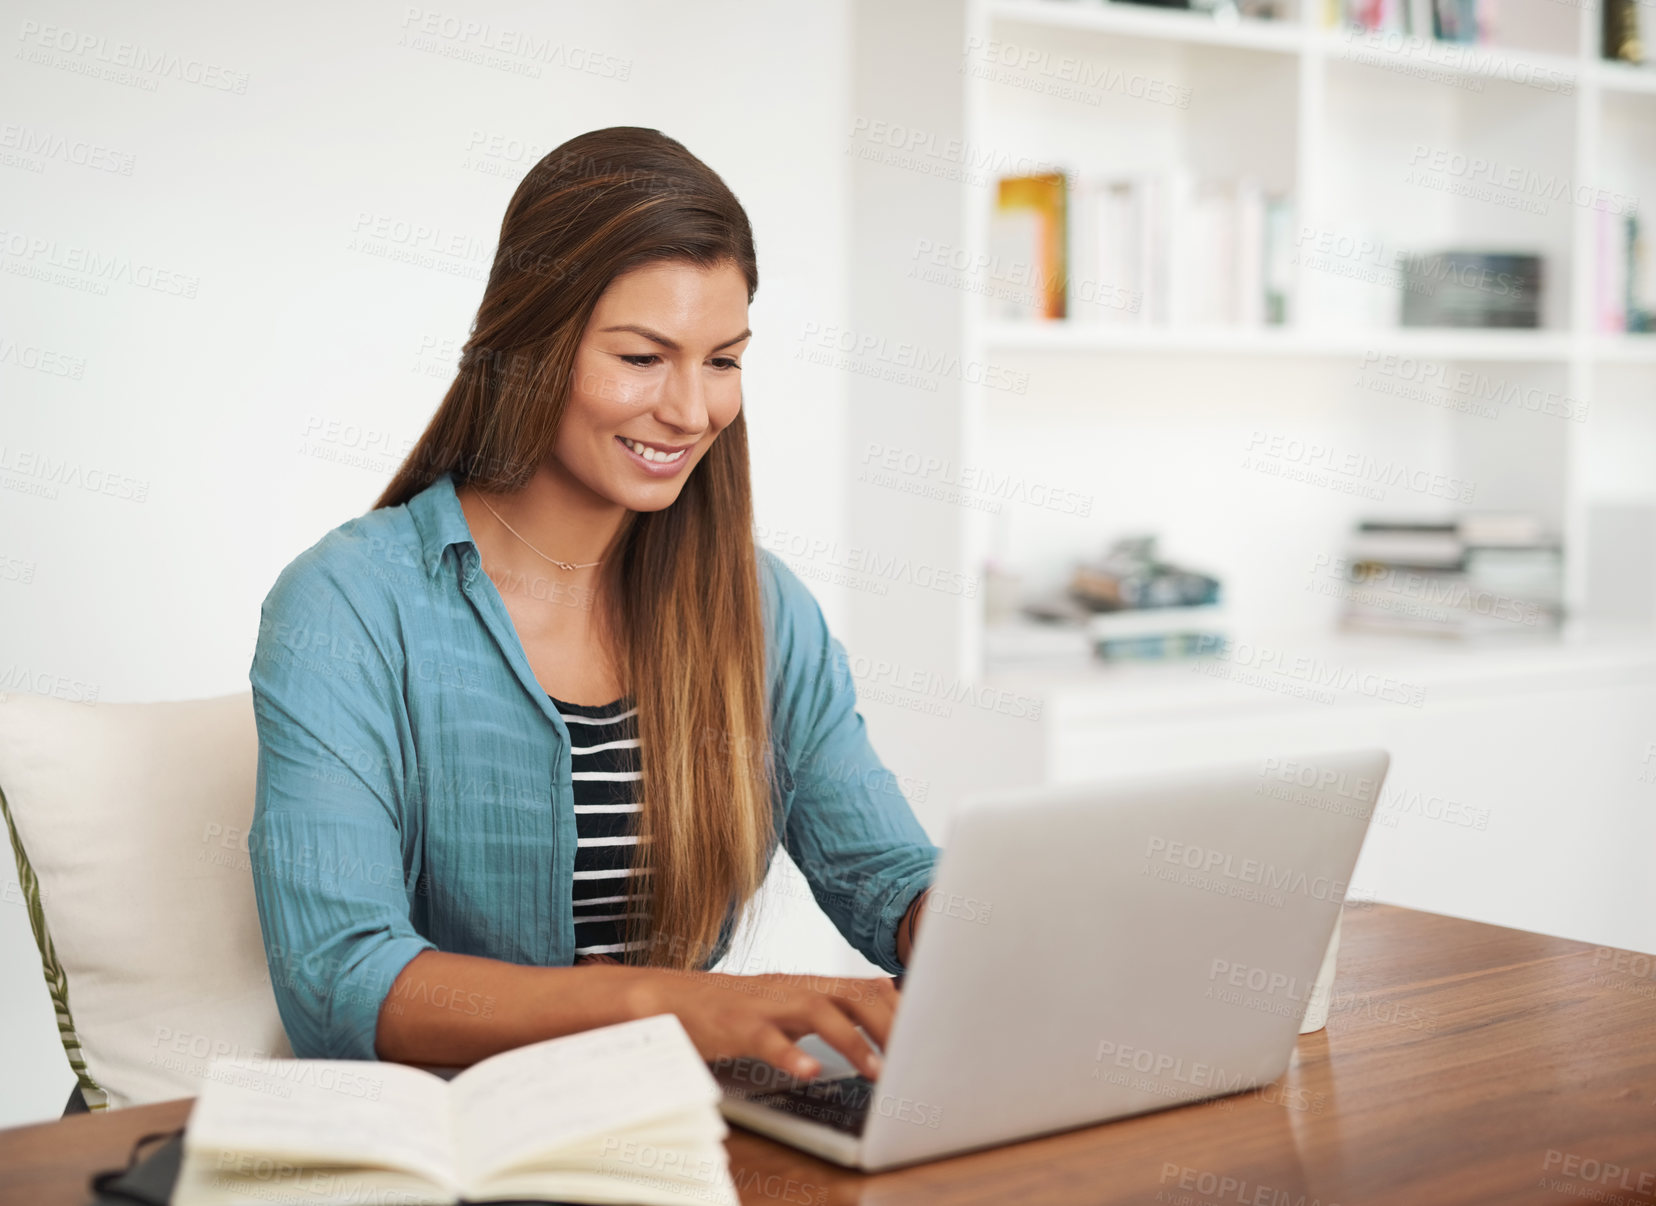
1462, 1063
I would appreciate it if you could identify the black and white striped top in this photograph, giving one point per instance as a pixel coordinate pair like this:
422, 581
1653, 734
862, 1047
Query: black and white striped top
610, 880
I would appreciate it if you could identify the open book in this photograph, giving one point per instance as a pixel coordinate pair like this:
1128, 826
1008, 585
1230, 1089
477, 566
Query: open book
626, 1113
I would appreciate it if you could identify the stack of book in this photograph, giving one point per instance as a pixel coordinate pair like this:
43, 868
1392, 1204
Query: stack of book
1131, 605
1480, 575
1159, 249
1626, 299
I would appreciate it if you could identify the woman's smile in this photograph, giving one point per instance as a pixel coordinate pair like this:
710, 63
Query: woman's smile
658, 460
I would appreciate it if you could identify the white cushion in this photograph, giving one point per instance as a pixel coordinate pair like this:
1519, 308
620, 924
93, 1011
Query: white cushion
133, 820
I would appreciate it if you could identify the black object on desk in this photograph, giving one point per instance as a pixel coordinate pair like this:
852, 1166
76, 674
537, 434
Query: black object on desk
148, 1180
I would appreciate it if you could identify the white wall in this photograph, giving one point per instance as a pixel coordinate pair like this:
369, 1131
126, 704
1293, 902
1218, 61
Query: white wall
273, 404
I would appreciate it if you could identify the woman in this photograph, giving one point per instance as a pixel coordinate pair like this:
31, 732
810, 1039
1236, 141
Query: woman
531, 730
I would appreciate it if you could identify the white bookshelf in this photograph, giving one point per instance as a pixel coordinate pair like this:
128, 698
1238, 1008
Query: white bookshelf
1550, 741
1332, 119
1623, 77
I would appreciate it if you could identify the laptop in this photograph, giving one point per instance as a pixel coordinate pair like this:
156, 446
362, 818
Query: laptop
1092, 952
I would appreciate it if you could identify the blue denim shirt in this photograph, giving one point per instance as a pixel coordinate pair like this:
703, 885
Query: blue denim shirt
414, 791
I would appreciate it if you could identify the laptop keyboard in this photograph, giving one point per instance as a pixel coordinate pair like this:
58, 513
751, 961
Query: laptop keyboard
841, 1103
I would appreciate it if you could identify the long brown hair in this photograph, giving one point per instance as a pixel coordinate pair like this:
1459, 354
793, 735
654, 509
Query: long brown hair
680, 587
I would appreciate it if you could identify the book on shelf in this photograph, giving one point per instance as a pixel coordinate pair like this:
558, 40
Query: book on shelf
1132, 576
1029, 239
1481, 575
1638, 270
1131, 634
1278, 259
1150, 633
1623, 37
1626, 271
1462, 21
1425, 546
1155, 249
1109, 255
1155, 621
1161, 646
624, 1113
1380, 16
1485, 289
1128, 604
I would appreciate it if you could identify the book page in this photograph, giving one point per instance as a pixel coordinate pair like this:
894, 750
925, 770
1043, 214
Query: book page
311, 1111
531, 1101
677, 1160
206, 1179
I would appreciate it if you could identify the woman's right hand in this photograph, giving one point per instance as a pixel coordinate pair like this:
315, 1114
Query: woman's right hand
760, 1017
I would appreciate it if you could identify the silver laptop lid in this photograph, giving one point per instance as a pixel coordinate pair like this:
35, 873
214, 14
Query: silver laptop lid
1097, 950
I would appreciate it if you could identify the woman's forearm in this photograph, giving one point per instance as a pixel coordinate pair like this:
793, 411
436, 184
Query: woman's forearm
910, 924
452, 1010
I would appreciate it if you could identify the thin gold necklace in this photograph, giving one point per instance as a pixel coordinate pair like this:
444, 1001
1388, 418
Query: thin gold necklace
563, 565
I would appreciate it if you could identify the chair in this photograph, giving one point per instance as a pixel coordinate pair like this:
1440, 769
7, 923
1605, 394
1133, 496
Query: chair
129, 826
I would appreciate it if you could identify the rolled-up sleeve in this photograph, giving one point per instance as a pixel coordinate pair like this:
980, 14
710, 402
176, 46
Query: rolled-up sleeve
849, 827
325, 843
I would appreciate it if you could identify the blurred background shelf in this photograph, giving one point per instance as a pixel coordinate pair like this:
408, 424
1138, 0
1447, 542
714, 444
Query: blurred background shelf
1062, 336
1140, 21
1282, 670
1623, 77
1626, 349
1494, 63
1255, 449
1382, 146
